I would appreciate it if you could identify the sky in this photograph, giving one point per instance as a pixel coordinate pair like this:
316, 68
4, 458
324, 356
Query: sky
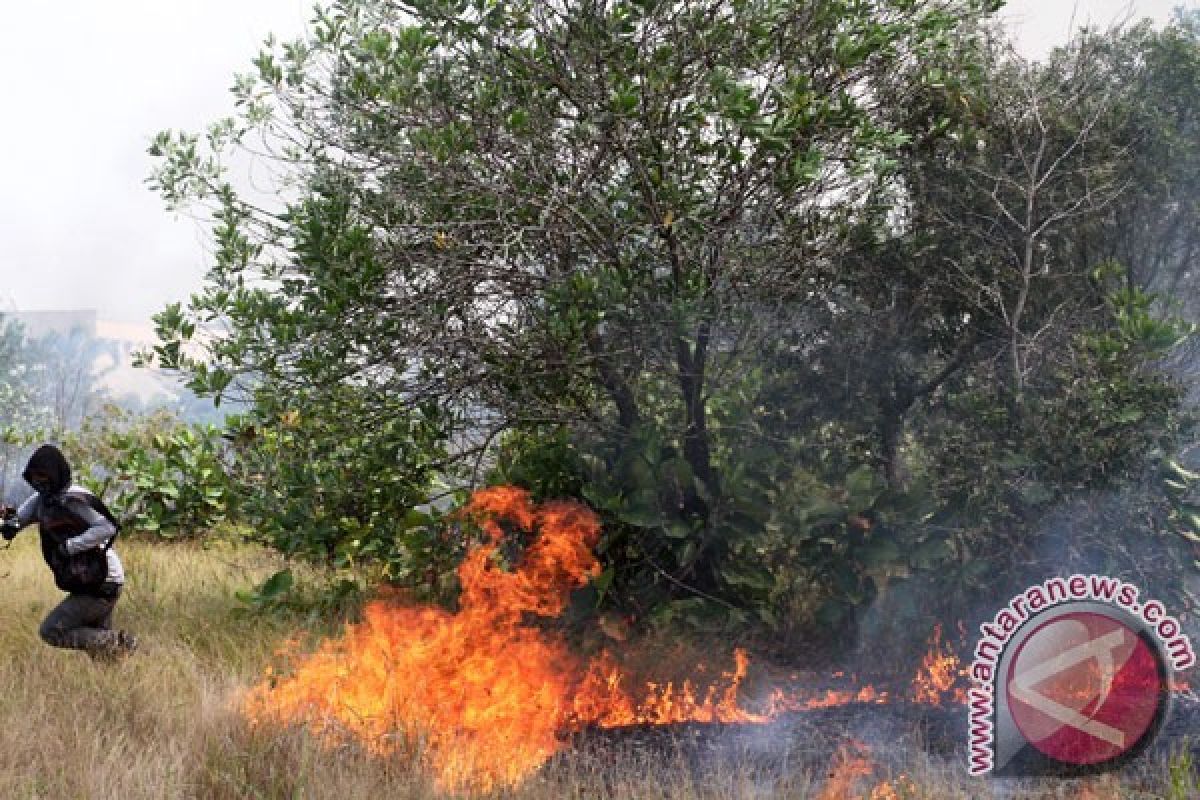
86, 85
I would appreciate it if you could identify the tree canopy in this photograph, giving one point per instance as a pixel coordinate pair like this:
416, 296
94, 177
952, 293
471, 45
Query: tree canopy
805, 298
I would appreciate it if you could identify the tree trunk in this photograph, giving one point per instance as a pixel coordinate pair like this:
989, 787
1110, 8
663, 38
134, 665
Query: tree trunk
891, 431
691, 364
618, 390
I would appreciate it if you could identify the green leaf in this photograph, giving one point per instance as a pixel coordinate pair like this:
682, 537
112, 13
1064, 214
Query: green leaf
278, 584
518, 118
748, 575
602, 582
679, 471
879, 552
863, 487
1180, 472
1191, 536
1036, 494
677, 529
641, 509
931, 553
1130, 416
817, 509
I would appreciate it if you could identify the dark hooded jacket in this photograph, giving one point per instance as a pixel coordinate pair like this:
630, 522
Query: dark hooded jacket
50, 460
59, 518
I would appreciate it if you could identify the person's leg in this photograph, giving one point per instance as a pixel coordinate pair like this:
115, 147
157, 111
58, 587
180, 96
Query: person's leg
126, 642
81, 622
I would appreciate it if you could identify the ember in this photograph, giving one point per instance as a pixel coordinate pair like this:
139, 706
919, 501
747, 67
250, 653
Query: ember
902, 787
1104, 787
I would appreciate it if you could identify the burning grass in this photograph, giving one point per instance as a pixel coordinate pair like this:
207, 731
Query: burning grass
489, 692
483, 697
165, 725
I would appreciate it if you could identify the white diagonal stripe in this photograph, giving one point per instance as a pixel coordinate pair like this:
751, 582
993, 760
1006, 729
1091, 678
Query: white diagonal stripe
1099, 649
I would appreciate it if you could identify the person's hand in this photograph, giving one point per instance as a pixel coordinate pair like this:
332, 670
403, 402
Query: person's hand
7, 512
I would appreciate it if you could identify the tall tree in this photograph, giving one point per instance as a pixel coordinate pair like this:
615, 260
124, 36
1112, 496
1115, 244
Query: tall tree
595, 215
1151, 228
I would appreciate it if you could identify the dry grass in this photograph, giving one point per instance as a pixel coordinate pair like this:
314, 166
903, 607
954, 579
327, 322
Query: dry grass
70, 728
164, 724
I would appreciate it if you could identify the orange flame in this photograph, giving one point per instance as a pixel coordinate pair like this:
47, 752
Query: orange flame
851, 764
485, 692
938, 677
605, 699
1105, 787
486, 695
899, 789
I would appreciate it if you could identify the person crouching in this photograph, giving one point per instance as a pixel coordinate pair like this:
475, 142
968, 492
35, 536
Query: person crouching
77, 532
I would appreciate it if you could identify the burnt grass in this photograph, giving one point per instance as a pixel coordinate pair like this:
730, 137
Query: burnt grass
891, 735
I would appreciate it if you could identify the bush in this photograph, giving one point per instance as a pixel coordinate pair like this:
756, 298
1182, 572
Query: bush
176, 483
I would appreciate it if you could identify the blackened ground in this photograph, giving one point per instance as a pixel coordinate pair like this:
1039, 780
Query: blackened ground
889, 734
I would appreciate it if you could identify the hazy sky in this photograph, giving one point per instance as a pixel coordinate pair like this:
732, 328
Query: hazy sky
86, 84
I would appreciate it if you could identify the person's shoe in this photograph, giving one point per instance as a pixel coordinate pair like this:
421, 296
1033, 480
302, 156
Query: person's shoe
127, 643
117, 648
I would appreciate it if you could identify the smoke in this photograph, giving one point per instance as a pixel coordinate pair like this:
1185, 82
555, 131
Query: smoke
55, 381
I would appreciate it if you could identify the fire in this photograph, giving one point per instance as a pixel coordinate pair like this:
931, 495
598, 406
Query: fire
481, 690
485, 695
940, 674
1081, 688
605, 699
899, 789
851, 764
833, 697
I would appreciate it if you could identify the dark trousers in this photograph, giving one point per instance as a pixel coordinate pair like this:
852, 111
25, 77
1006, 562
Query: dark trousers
81, 622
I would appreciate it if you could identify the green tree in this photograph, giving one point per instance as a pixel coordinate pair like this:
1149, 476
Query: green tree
1150, 228
69, 376
974, 351
1038, 370
588, 217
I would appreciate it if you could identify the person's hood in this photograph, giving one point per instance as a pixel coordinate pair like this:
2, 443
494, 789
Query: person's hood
49, 459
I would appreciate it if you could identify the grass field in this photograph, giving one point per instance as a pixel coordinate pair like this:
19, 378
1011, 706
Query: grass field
165, 724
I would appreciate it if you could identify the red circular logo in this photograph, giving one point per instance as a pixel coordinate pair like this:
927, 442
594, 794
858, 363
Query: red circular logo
1084, 688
